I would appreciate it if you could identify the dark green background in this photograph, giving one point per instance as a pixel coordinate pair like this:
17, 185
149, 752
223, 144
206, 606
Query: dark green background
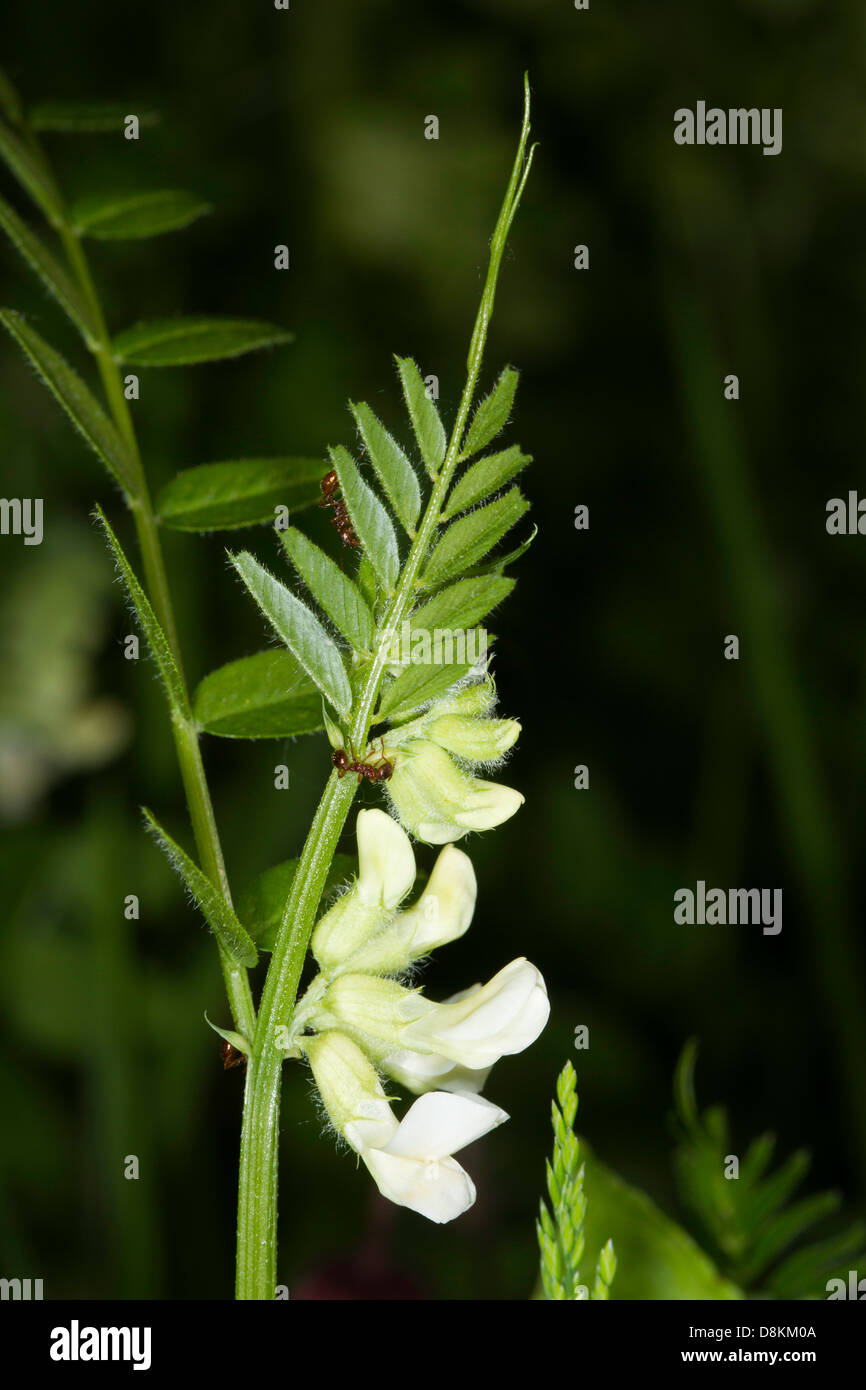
707, 518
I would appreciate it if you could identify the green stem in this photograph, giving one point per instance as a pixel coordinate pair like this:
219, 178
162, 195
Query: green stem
257, 1189
184, 732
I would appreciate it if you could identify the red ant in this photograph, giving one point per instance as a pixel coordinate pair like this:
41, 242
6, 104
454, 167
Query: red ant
231, 1056
381, 771
341, 518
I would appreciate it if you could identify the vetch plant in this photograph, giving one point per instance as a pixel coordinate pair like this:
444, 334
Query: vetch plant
418, 546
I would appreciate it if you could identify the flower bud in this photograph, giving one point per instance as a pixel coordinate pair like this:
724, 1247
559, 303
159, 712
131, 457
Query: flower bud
472, 702
476, 740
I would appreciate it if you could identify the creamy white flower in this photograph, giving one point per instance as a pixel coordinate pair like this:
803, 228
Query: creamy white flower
442, 914
473, 1030
386, 864
495, 1020
386, 872
438, 802
410, 1160
427, 1071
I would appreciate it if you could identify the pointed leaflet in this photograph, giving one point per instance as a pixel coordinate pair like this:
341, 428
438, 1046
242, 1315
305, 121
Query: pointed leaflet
467, 540
156, 638
369, 518
242, 492
31, 173
268, 695
420, 683
83, 410
183, 341
127, 216
218, 914
484, 477
83, 117
462, 604
428, 427
501, 563
332, 589
396, 473
492, 414
50, 272
301, 631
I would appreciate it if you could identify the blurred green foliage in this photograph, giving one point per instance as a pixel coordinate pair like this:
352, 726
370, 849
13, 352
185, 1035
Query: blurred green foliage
306, 128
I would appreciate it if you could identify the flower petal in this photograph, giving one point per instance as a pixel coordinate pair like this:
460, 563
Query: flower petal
385, 860
440, 1124
438, 1188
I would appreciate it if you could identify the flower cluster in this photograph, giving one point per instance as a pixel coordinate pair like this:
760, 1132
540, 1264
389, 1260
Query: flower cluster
364, 1022
433, 789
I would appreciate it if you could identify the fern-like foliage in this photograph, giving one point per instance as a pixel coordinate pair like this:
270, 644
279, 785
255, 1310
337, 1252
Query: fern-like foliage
560, 1226
753, 1227
457, 580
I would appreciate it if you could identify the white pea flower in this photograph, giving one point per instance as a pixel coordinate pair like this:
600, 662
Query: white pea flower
438, 802
386, 872
488, 1022
355, 1017
485, 1023
364, 931
411, 1161
420, 1072
441, 915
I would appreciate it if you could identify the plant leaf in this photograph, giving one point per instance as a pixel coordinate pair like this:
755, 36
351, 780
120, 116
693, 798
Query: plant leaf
268, 695
428, 427
492, 414
49, 270
31, 174
420, 683
462, 604
127, 216
502, 562
183, 341
81, 407
332, 589
86, 117
262, 905
219, 916
781, 1232
394, 470
656, 1259
156, 638
484, 477
10, 100
369, 518
301, 631
798, 1275
245, 492
469, 538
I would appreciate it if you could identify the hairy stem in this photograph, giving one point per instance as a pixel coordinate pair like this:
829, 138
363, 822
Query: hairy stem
257, 1189
156, 584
